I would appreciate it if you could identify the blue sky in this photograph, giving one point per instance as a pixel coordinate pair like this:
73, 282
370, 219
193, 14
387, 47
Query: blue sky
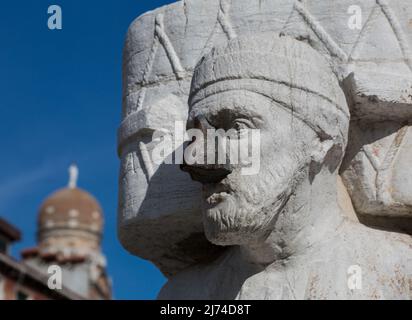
60, 102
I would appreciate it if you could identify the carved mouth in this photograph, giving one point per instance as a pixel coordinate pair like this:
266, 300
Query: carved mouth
216, 193
217, 198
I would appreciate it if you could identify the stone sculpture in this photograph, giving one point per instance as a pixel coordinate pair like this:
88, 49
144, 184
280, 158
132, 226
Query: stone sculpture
283, 226
160, 217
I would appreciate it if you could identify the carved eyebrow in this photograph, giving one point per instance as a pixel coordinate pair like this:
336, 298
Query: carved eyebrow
225, 116
242, 104
220, 112
214, 105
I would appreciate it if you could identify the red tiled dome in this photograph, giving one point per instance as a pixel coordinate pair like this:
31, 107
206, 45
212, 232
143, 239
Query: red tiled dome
71, 208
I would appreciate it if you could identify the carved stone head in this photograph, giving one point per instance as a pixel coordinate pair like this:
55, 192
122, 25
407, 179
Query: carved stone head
159, 214
284, 89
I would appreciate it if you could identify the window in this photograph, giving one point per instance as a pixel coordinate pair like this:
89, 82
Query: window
2, 288
3, 245
22, 295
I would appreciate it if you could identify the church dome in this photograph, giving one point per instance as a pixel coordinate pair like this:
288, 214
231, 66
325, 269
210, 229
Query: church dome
70, 221
70, 226
71, 208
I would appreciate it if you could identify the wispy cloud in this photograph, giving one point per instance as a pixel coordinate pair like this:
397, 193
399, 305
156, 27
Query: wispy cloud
13, 187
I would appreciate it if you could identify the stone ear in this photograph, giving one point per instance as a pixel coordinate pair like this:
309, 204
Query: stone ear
327, 154
321, 150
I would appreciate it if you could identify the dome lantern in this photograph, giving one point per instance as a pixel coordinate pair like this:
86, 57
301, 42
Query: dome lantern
73, 176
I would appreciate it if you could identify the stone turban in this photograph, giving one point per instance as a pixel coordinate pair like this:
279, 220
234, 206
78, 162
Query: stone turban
283, 69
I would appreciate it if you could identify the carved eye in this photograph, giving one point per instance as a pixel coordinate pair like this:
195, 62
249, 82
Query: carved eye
242, 124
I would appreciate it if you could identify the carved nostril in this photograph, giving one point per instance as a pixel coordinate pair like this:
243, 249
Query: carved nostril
206, 174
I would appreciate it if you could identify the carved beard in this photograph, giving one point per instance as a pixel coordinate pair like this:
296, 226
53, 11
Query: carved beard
246, 214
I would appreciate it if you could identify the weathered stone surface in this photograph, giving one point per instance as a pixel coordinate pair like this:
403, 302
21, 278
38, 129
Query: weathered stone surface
160, 217
284, 231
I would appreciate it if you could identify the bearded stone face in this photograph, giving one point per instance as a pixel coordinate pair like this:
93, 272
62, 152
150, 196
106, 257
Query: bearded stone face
242, 209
